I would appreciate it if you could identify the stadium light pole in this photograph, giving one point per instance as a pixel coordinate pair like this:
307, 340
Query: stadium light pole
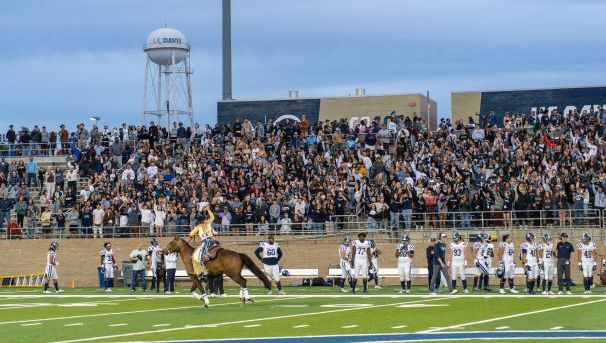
227, 90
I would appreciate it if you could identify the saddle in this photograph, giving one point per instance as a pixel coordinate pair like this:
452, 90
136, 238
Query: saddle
213, 250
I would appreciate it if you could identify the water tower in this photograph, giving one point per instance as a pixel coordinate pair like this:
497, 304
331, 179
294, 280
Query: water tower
167, 90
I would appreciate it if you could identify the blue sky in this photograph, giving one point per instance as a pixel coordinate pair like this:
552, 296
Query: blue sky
62, 61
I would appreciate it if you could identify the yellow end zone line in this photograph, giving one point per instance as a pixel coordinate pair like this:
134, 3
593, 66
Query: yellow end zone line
189, 327
511, 316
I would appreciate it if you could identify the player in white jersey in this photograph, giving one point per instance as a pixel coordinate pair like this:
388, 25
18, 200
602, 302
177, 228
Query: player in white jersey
587, 265
270, 254
480, 251
488, 259
360, 262
507, 266
374, 263
50, 272
546, 263
530, 251
108, 265
457, 262
344, 263
405, 252
152, 252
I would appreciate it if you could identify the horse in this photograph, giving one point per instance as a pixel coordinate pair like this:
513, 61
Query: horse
226, 262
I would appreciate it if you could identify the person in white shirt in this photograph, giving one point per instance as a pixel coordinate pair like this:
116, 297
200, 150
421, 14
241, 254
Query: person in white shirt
128, 174
108, 264
405, 252
146, 218
152, 170
506, 254
159, 219
458, 262
587, 264
98, 214
546, 263
360, 261
530, 260
171, 269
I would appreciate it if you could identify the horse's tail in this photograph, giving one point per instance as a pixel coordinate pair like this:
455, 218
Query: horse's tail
248, 263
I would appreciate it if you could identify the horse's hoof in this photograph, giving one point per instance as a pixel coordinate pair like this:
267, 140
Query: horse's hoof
251, 300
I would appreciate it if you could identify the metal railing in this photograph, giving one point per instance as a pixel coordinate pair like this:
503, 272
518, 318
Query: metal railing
589, 219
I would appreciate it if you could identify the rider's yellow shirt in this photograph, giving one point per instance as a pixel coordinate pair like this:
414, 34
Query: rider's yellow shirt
205, 229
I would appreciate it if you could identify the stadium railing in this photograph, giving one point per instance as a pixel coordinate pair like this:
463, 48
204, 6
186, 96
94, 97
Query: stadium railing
590, 219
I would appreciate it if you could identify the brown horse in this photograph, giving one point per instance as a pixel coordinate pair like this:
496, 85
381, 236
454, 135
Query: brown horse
226, 262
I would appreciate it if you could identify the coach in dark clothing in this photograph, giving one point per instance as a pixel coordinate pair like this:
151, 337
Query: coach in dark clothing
439, 264
564, 250
430, 251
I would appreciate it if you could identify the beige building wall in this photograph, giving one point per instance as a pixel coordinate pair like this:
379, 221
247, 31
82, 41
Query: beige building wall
381, 105
465, 105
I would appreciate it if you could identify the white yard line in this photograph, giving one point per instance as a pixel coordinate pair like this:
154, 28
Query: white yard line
349, 326
31, 324
300, 326
73, 324
160, 325
119, 324
501, 328
130, 312
556, 328
187, 327
399, 327
510, 316
252, 326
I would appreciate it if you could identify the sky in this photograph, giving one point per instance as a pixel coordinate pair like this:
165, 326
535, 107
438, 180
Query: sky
64, 61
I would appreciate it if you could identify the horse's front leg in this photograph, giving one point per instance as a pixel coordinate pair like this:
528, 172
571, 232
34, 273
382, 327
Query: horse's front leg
202, 296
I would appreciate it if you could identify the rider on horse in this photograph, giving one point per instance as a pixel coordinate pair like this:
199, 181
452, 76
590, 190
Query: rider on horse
207, 234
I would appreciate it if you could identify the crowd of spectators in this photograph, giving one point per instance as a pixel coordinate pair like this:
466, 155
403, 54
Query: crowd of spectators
546, 168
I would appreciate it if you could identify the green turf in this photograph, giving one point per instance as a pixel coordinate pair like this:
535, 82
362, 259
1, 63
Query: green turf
165, 318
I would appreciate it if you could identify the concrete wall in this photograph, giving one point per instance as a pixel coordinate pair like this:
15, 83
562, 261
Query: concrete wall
465, 105
79, 258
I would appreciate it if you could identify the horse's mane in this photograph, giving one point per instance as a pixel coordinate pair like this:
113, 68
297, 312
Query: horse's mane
185, 243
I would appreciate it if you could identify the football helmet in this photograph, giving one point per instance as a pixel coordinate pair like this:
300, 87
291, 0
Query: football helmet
373, 244
500, 271
456, 236
546, 236
586, 237
405, 239
530, 237
346, 240
154, 241
54, 245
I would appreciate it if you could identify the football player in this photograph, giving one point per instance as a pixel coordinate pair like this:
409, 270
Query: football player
344, 263
270, 254
586, 255
457, 262
152, 252
488, 259
360, 261
50, 272
506, 255
480, 251
530, 261
405, 252
374, 263
108, 264
546, 263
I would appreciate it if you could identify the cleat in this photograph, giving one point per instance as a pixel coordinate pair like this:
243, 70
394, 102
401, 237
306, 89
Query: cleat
281, 293
378, 287
476, 289
544, 293
365, 292
46, 292
501, 291
408, 291
59, 291
560, 293
454, 291
109, 290
433, 293
269, 293
466, 291
401, 291
487, 289
568, 293
550, 293
223, 295
511, 290
342, 290
146, 291
132, 291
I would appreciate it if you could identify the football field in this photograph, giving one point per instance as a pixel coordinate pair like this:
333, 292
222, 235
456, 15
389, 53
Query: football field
305, 314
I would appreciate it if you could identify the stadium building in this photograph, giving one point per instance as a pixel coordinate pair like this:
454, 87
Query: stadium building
353, 108
474, 103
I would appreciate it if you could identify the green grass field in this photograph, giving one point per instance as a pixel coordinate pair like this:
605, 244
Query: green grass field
316, 314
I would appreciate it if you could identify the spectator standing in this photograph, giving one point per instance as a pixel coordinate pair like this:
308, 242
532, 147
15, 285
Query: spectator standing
171, 269
98, 216
32, 172
140, 259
